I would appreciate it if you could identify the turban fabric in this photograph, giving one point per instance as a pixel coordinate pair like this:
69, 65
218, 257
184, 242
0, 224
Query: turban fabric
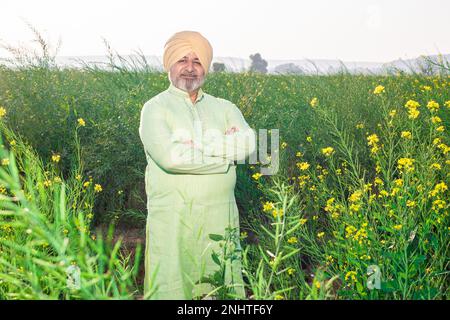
182, 43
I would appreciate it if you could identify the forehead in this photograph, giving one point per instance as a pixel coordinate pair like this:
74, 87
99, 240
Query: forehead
191, 55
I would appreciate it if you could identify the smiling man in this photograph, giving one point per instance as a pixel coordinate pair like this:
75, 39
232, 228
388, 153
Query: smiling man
192, 141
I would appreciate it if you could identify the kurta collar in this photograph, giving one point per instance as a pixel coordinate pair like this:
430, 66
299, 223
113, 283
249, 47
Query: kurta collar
181, 93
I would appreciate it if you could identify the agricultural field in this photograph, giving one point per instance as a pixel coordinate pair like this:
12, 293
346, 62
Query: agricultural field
359, 208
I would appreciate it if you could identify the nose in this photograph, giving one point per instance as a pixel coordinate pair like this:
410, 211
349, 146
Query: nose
190, 66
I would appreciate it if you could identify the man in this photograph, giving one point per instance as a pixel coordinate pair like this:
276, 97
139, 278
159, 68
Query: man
192, 141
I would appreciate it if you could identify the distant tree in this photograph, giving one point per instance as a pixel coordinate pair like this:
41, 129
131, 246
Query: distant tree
258, 63
218, 67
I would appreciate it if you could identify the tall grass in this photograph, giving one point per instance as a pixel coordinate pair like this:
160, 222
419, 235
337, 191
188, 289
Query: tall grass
45, 225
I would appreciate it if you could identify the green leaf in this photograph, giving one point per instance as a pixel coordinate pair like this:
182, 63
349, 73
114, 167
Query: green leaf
359, 287
217, 277
215, 258
268, 232
215, 237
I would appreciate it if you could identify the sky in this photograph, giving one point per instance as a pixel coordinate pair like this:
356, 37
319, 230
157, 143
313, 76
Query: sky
349, 30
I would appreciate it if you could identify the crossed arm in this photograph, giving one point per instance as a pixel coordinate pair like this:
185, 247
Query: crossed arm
214, 153
173, 155
238, 142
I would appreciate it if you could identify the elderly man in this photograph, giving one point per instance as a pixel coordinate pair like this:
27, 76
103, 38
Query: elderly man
192, 142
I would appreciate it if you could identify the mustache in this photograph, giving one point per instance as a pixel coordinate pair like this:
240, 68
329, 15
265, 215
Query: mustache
193, 74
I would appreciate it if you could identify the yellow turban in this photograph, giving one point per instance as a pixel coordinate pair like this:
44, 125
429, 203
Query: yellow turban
182, 43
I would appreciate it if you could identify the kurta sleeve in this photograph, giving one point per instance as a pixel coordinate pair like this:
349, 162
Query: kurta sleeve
236, 146
171, 154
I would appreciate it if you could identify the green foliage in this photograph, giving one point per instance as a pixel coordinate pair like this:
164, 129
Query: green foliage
45, 231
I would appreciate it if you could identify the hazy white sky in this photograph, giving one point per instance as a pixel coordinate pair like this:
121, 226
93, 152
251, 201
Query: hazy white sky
349, 30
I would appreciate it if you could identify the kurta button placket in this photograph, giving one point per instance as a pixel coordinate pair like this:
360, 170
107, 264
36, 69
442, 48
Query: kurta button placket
196, 119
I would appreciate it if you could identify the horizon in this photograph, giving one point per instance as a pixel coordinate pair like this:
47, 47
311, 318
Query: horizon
269, 59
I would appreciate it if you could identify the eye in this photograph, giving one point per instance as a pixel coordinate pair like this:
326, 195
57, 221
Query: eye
197, 62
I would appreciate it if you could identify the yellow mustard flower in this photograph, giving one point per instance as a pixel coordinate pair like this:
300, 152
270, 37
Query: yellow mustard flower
56, 157
47, 183
328, 151
413, 113
256, 176
292, 240
444, 148
351, 275
378, 89
372, 139
410, 203
436, 166
314, 102
438, 204
433, 106
406, 163
436, 119
81, 122
411, 104
316, 284
356, 196
267, 206
303, 165
394, 191
355, 207
438, 188
406, 134
277, 213
378, 181
383, 193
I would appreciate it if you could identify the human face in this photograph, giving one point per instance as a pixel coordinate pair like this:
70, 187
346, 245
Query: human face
187, 73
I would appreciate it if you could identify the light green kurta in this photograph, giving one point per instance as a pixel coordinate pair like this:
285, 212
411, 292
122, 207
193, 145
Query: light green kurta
190, 191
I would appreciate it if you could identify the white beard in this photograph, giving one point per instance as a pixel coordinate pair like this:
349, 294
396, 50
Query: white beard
187, 84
